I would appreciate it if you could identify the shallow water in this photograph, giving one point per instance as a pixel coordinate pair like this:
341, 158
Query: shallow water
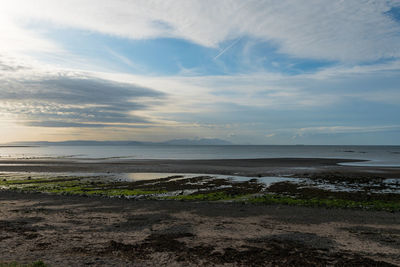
376, 155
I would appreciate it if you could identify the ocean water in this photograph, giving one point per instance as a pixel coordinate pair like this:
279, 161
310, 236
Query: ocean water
376, 155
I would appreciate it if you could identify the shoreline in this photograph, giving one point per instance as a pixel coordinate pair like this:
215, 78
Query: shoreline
242, 167
81, 230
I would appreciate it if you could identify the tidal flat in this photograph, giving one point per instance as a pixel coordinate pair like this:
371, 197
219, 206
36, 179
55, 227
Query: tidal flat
373, 193
249, 214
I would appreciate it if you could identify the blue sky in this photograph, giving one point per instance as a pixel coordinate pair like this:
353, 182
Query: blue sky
253, 72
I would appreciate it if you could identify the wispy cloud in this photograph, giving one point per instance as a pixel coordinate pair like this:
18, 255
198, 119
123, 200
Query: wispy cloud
125, 60
346, 129
227, 48
334, 30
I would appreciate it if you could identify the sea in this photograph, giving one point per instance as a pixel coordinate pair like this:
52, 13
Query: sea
388, 156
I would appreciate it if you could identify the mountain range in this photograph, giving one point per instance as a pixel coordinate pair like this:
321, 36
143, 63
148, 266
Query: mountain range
174, 142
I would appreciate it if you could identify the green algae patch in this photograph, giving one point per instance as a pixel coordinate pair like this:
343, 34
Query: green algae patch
325, 202
134, 192
214, 196
292, 200
206, 189
82, 188
40, 180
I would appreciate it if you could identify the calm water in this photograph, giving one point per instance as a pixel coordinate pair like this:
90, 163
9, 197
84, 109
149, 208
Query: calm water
377, 155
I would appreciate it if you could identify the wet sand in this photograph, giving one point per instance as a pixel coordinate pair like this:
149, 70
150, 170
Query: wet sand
245, 167
99, 231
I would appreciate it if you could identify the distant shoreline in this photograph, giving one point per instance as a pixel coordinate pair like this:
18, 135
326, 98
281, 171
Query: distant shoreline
5, 146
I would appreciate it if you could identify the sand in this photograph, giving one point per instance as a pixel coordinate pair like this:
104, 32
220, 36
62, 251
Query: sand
96, 231
79, 231
244, 167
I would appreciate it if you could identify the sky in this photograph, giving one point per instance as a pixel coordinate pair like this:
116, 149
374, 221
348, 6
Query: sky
249, 72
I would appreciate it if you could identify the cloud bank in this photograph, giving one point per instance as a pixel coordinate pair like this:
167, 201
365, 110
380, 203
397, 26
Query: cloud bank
71, 99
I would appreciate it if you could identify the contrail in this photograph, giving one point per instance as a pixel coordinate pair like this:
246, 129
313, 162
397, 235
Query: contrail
227, 48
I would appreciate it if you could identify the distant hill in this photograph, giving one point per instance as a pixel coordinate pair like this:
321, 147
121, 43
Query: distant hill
198, 142
175, 142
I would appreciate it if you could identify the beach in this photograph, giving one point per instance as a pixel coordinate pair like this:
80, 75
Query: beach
81, 231
96, 230
199, 133
243, 167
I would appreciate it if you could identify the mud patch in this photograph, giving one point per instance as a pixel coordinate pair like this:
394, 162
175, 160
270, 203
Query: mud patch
385, 237
272, 252
21, 227
298, 190
140, 222
304, 239
153, 243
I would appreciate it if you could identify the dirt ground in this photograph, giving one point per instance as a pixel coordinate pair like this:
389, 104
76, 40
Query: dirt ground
96, 231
